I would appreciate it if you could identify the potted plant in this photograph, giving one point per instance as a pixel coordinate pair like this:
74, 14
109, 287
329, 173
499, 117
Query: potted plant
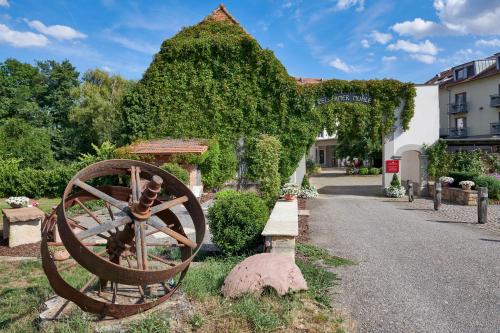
289, 191
466, 184
17, 202
446, 181
395, 190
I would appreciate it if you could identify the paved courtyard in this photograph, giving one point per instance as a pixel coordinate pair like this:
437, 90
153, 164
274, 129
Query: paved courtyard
416, 271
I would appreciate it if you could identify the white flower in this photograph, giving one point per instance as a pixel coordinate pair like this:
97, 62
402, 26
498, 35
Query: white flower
395, 191
466, 183
18, 201
291, 189
308, 192
448, 180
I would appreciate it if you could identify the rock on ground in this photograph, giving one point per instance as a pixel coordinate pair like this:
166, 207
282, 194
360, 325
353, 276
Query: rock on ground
263, 270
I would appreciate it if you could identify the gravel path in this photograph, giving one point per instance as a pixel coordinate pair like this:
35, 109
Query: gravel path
413, 273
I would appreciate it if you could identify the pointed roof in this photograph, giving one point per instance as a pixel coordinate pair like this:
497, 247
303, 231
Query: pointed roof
222, 14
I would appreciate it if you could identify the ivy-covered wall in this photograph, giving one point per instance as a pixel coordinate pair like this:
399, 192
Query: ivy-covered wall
213, 80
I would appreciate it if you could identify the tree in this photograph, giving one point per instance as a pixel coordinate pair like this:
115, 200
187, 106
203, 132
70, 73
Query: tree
18, 139
97, 113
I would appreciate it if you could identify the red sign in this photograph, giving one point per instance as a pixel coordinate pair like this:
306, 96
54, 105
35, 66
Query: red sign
392, 166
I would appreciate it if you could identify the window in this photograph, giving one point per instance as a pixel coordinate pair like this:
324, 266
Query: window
460, 123
321, 156
461, 73
460, 99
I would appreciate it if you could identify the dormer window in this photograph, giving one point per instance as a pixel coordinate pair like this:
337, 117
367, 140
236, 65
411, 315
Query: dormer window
498, 63
464, 72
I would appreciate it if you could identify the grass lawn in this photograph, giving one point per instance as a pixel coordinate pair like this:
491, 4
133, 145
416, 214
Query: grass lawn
45, 203
23, 289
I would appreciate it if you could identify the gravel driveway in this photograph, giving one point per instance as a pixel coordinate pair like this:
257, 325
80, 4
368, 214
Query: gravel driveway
413, 273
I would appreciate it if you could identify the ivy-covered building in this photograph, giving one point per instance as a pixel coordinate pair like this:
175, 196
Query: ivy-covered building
214, 81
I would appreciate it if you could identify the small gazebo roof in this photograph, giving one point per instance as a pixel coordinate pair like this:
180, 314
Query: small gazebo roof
169, 146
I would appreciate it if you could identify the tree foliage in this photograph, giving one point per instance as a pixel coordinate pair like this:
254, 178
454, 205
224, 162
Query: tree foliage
96, 114
213, 80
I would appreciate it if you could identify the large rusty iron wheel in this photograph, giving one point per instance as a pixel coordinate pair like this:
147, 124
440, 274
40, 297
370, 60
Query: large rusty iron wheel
134, 213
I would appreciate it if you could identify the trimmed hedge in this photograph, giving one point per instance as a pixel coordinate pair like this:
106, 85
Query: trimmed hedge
491, 183
178, 171
374, 171
363, 171
236, 221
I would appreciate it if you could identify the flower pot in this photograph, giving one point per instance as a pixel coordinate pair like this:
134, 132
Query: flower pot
466, 187
446, 185
289, 197
13, 205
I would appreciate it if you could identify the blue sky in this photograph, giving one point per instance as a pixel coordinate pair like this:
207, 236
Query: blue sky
347, 39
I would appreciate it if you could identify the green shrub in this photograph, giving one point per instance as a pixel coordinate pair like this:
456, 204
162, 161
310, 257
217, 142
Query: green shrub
459, 176
374, 171
263, 156
178, 171
492, 183
312, 167
236, 220
439, 159
395, 181
363, 171
219, 165
468, 161
305, 181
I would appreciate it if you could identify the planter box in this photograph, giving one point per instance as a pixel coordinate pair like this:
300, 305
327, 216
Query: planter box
456, 195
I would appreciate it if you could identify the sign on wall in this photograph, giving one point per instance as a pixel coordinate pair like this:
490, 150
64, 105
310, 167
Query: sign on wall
348, 98
392, 166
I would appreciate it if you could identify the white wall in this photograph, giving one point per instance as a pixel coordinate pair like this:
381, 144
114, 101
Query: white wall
299, 173
424, 128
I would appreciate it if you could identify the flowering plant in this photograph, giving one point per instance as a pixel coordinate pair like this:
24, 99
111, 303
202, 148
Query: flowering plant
290, 189
395, 191
17, 202
495, 174
466, 183
447, 180
35, 203
308, 192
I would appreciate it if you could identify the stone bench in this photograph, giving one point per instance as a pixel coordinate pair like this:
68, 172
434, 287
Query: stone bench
22, 225
282, 228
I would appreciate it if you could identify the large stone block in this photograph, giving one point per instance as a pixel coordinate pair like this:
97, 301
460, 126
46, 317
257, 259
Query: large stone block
22, 225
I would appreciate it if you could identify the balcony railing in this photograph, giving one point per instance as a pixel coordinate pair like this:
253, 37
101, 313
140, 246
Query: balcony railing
495, 128
457, 132
495, 101
457, 108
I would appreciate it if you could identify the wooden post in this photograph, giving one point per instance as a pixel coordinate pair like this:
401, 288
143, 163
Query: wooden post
409, 185
482, 205
437, 195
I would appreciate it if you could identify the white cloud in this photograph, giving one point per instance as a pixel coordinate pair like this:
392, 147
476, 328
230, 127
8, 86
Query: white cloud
463, 17
488, 43
425, 58
21, 38
426, 47
264, 26
4, 3
345, 4
280, 45
381, 37
342, 66
134, 45
57, 31
365, 43
387, 59
417, 28
106, 69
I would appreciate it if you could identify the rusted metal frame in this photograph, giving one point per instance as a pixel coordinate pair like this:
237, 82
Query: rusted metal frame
133, 184
82, 289
103, 228
166, 244
162, 260
141, 291
157, 223
73, 223
99, 194
73, 264
168, 204
144, 247
85, 244
88, 211
137, 183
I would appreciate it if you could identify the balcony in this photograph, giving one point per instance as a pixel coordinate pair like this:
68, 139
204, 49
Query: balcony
495, 101
495, 128
454, 133
458, 108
